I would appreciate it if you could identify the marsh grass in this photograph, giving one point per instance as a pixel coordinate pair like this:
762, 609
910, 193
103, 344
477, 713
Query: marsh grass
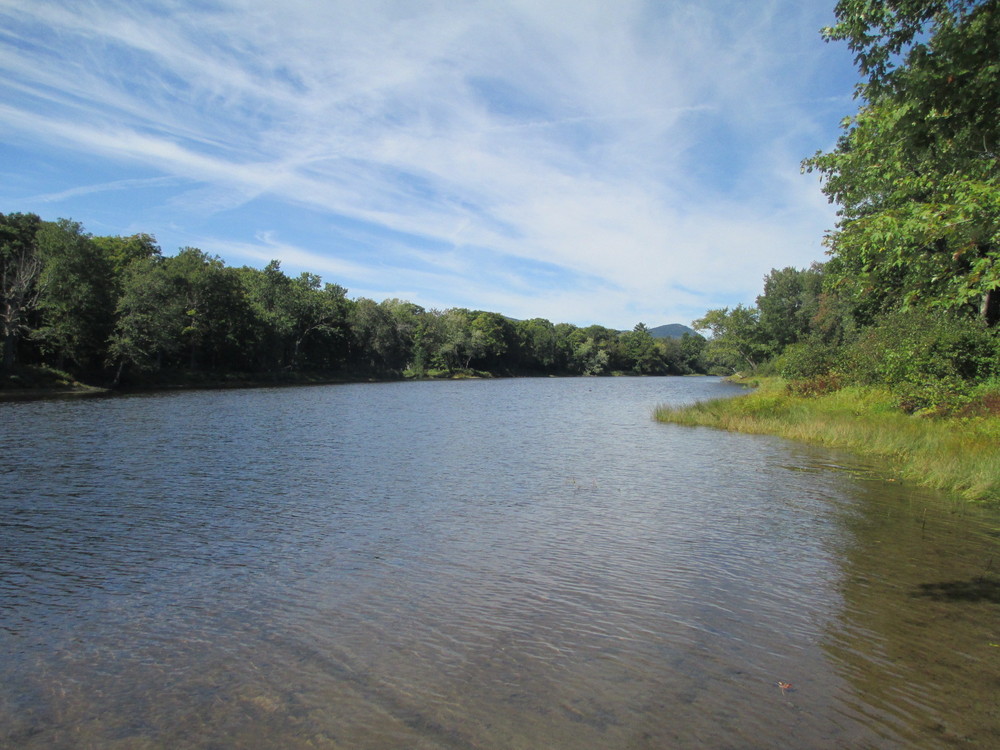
960, 455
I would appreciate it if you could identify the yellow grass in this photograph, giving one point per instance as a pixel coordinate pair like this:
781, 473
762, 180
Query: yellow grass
960, 456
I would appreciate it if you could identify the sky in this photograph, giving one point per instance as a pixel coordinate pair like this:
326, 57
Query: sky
584, 161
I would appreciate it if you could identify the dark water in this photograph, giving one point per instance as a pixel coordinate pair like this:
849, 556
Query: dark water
488, 564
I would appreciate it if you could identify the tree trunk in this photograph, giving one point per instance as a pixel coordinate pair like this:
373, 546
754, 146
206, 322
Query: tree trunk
9, 347
990, 308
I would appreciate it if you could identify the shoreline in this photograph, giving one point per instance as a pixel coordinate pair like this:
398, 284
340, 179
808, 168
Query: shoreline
957, 455
65, 387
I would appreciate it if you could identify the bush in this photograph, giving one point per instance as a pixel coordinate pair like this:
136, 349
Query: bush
934, 398
985, 400
917, 346
929, 359
806, 359
817, 385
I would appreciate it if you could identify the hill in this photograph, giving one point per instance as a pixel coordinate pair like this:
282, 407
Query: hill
670, 331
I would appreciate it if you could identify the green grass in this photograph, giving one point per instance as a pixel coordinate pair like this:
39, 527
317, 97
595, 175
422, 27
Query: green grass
956, 455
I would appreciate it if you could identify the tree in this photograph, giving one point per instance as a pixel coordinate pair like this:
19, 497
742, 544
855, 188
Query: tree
737, 339
640, 352
318, 312
20, 266
538, 344
122, 251
566, 335
409, 321
880, 33
268, 292
455, 348
491, 338
379, 343
916, 172
214, 314
692, 346
148, 316
77, 300
788, 304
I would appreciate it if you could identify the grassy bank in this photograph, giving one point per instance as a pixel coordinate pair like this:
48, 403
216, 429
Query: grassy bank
960, 455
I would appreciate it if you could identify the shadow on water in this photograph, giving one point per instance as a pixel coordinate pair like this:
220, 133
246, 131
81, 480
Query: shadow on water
978, 589
916, 638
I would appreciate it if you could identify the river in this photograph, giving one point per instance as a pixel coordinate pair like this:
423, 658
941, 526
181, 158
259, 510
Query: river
530, 563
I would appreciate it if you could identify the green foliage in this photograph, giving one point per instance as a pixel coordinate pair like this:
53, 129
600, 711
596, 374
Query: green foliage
789, 303
640, 352
879, 32
808, 358
20, 267
916, 171
119, 304
738, 340
121, 252
381, 345
492, 336
590, 358
145, 330
76, 295
929, 358
319, 331
692, 354
538, 343
902, 320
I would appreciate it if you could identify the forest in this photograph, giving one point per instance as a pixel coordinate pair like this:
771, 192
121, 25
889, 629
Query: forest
909, 300
117, 311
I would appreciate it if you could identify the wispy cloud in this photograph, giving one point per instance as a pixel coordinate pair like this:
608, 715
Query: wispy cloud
583, 161
105, 187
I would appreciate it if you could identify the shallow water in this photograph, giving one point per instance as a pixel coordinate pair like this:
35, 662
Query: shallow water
489, 564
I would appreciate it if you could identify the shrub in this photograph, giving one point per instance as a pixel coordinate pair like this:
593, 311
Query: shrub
985, 400
921, 353
806, 359
817, 385
934, 398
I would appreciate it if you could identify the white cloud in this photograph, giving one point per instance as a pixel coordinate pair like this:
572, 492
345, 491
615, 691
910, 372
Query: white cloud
582, 135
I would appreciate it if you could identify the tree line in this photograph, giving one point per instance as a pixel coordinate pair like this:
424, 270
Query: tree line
116, 309
910, 298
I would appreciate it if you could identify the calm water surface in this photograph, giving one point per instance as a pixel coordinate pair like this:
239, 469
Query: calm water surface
483, 564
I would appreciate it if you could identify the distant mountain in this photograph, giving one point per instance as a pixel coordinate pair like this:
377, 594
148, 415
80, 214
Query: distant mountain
670, 331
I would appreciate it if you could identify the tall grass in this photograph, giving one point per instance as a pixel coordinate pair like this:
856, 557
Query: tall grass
957, 455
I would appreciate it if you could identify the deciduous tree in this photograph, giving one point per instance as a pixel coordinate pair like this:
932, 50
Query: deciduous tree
789, 303
916, 172
20, 267
737, 338
77, 297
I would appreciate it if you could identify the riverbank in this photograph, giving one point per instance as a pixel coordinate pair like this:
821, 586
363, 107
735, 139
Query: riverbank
39, 382
27, 383
953, 454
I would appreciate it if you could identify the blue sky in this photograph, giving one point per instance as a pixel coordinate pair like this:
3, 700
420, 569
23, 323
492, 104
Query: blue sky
584, 161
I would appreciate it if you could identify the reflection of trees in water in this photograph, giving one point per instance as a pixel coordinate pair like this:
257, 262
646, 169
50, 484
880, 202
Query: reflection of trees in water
921, 606
978, 589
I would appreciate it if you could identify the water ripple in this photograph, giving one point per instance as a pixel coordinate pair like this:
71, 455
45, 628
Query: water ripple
488, 564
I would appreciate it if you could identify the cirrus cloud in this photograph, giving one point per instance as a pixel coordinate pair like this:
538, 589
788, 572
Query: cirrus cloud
584, 162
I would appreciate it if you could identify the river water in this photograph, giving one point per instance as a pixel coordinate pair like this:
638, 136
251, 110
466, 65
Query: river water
526, 563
